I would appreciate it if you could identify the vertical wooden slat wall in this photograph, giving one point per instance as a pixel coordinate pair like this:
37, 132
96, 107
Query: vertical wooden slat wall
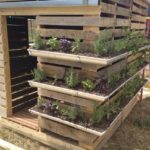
5, 80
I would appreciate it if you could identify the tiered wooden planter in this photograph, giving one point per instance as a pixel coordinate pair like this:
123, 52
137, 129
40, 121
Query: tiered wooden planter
114, 15
53, 63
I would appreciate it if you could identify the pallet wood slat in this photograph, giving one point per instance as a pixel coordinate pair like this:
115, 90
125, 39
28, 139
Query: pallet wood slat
6, 70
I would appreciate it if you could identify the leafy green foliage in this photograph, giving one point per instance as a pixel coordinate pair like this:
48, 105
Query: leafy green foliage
113, 78
104, 111
39, 75
38, 42
88, 85
103, 44
132, 69
76, 46
98, 114
72, 79
53, 43
41, 102
70, 112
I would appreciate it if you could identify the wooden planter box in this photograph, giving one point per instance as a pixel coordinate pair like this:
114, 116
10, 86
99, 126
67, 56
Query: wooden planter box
85, 137
85, 100
56, 64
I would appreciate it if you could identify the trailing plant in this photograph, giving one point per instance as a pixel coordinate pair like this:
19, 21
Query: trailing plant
88, 85
39, 75
72, 79
53, 43
120, 44
76, 46
38, 42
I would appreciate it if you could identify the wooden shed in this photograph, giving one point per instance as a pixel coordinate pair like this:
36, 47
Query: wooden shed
74, 19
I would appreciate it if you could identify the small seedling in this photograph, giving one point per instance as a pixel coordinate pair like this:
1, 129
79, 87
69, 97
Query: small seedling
53, 43
142, 122
70, 112
88, 85
41, 102
39, 75
98, 114
72, 79
76, 46
38, 42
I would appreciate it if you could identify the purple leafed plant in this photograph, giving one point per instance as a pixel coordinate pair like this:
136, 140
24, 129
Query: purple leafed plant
65, 45
48, 106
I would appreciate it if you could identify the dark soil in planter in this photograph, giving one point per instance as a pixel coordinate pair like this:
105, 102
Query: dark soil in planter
87, 52
104, 124
102, 87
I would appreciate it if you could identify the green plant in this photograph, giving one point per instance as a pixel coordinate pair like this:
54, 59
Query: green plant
72, 78
132, 69
98, 114
55, 79
113, 78
88, 85
104, 44
70, 112
53, 43
41, 102
38, 42
39, 75
76, 46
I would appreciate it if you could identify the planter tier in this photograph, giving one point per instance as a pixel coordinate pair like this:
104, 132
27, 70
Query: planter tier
85, 100
56, 64
86, 137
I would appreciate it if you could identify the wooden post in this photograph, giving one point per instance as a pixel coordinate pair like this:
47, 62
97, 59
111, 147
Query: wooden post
5, 95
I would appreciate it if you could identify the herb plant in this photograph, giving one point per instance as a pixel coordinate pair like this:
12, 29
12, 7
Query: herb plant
76, 46
53, 43
70, 112
88, 85
41, 102
38, 42
39, 75
72, 79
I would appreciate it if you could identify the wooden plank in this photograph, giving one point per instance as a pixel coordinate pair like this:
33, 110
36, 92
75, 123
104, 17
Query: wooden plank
68, 21
2, 79
7, 145
3, 111
2, 87
138, 26
3, 102
6, 71
138, 10
72, 34
2, 71
85, 104
138, 18
49, 140
108, 8
141, 3
30, 11
67, 131
122, 22
123, 11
